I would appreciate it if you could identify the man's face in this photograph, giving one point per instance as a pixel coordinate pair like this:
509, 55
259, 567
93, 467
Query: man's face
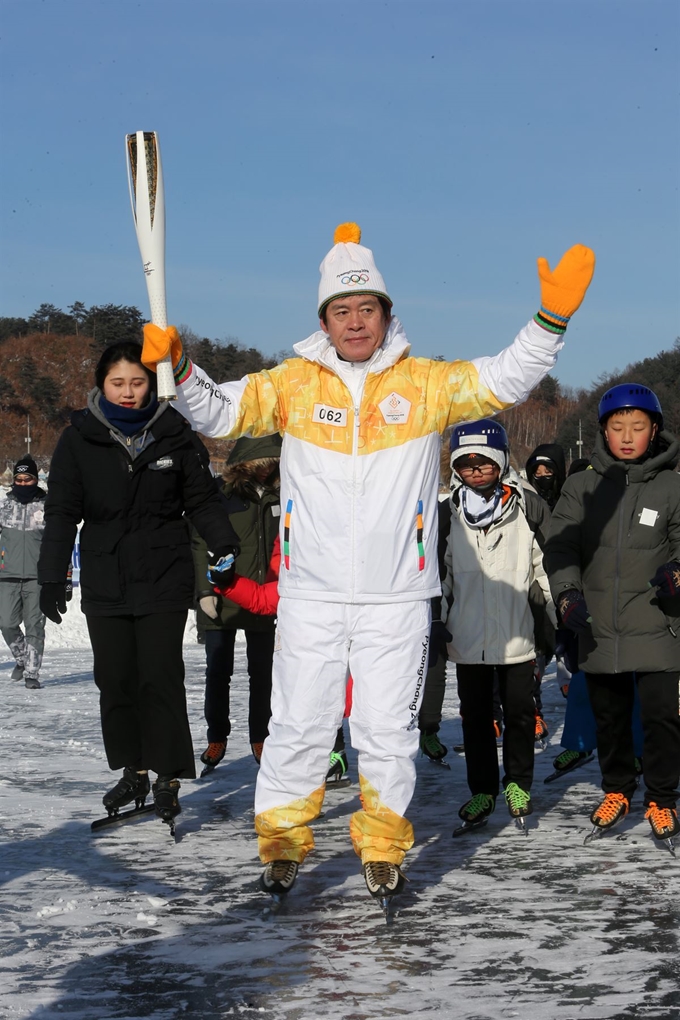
543, 471
356, 326
629, 433
25, 480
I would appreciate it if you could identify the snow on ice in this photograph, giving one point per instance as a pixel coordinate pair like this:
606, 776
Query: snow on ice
126, 924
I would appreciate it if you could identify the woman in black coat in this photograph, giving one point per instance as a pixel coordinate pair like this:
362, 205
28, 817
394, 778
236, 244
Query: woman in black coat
130, 469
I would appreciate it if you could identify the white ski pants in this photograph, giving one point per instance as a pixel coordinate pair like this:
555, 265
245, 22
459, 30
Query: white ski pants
318, 644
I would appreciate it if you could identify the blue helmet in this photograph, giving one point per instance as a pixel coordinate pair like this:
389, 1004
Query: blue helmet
480, 437
630, 395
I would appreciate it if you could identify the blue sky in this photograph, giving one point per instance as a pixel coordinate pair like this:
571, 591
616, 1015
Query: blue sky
466, 138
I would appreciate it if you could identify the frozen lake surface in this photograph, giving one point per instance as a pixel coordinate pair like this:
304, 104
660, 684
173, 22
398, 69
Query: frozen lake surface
128, 925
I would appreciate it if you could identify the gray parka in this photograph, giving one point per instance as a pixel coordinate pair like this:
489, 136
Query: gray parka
611, 529
21, 532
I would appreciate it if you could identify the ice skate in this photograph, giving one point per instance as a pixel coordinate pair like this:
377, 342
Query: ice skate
278, 879
133, 786
613, 808
541, 733
18, 672
32, 683
432, 747
257, 749
519, 805
165, 799
664, 823
567, 761
475, 813
213, 755
337, 776
383, 880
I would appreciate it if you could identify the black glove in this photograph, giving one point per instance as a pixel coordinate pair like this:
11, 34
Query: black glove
573, 611
222, 567
667, 580
439, 636
53, 600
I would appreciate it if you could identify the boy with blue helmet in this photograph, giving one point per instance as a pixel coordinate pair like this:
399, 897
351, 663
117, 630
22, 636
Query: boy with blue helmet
493, 556
613, 558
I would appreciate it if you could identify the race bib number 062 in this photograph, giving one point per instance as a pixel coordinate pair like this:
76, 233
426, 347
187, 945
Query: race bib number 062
329, 415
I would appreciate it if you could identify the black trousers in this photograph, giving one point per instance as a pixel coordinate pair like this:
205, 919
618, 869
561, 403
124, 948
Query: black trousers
139, 670
611, 698
219, 651
475, 690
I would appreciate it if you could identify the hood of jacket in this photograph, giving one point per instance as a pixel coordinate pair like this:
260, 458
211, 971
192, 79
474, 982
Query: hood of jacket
666, 458
92, 423
246, 449
394, 347
553, 452
510, 479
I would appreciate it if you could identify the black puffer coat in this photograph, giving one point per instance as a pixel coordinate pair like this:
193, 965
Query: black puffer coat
132, 496
613, 526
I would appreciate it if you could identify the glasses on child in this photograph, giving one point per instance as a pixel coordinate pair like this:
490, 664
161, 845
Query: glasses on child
466, 468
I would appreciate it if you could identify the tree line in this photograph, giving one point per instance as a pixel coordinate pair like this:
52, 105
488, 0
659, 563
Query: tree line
47, 366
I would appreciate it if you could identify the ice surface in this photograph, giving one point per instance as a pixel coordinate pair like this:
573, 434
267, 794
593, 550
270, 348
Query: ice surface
128, 925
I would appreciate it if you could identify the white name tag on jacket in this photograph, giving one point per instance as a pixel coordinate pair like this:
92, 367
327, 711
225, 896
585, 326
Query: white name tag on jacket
649, 517
327, 415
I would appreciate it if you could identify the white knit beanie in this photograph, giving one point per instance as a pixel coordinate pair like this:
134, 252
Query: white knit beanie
349, 268
497, 456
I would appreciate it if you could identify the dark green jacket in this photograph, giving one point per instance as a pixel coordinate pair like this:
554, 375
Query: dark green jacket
256, 522
613, 526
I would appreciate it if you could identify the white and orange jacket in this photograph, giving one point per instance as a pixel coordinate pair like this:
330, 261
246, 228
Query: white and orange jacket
360, 457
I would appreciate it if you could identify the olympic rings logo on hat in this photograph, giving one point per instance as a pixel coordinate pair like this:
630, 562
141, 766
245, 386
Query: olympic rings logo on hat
354, 279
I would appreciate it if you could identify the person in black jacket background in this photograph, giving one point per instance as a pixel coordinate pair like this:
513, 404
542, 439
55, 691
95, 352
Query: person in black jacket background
130, 468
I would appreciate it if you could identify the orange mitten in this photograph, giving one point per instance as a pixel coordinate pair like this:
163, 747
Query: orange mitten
564, 287
158, 343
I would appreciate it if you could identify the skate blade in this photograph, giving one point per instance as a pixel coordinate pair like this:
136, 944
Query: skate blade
438, 761
521, 824
540, 745
386, 908
597, 833
274, 907
121, 817
461, 830
207, 769
338, 784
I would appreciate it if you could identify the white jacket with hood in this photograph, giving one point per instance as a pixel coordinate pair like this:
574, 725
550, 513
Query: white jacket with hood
489, 572
360, 456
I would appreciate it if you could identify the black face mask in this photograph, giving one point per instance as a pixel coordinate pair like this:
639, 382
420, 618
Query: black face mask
24, 493
546, 485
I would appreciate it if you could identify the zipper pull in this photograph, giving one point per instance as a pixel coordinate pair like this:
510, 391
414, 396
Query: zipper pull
129, 440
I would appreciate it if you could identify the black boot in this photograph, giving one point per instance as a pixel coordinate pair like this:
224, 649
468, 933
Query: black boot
165, 791
133, 786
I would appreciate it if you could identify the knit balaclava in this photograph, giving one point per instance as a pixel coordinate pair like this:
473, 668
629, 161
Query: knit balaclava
349, 269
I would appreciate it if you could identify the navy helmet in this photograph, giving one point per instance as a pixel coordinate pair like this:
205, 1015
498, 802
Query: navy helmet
486, 438
630, 395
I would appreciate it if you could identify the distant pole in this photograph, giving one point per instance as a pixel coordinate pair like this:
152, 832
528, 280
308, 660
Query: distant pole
579, 441
28, 433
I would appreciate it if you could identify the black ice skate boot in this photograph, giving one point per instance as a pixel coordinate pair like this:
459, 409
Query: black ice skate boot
278, 879
134, 786
613, 808
337, 771
383, 880
664, 822
213, 755
165, 791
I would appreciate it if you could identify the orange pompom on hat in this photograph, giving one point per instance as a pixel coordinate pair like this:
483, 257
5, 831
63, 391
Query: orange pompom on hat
349, 268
